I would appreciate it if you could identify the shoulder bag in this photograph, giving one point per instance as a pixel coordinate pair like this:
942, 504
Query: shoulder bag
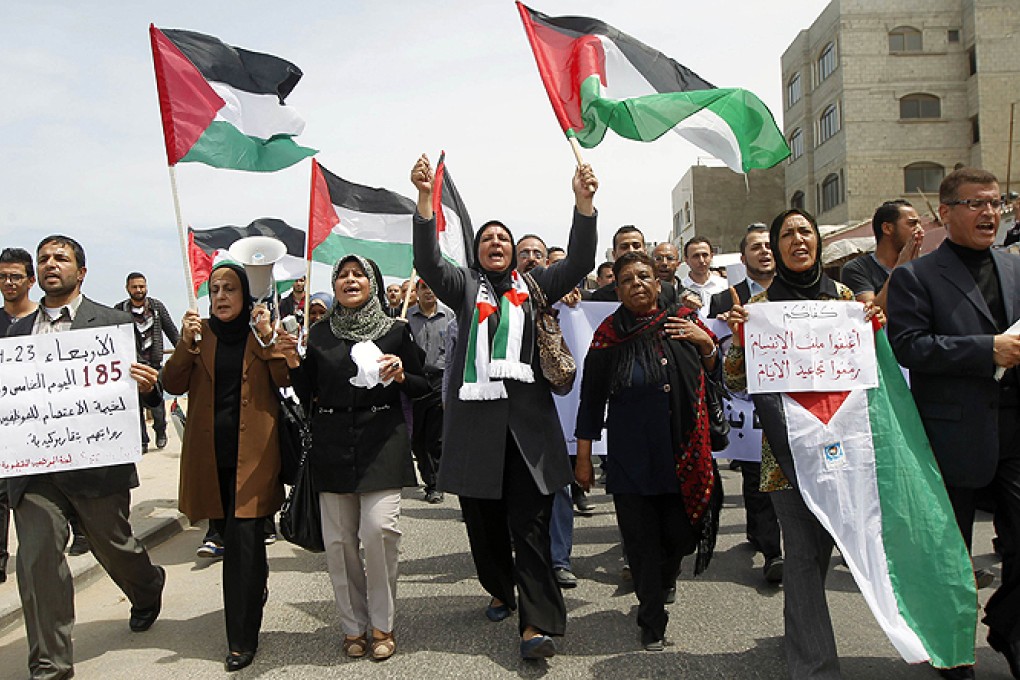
558, 365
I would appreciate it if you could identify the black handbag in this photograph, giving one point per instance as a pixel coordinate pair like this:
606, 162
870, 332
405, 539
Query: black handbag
300, 522
718, 425
293, 432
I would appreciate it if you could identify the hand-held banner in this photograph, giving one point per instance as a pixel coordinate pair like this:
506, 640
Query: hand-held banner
808, 346
68, 401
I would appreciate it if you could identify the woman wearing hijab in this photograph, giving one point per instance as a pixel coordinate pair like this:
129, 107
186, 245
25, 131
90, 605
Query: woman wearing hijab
358, 362
809, 639
318, 307
660, 473
503, 448
230, 460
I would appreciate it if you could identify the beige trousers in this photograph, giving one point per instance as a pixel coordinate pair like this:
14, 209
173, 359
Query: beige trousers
365, 588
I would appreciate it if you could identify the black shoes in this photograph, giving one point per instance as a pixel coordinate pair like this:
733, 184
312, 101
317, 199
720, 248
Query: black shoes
142, 619
497, 613
538, 647
79, 545
773, 569
983, 578
581, 503
235, 661
433, 497
161, 441
1010, 650
958, 673
565, 578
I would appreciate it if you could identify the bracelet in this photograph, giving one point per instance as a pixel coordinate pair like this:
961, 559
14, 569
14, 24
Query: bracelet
715, 350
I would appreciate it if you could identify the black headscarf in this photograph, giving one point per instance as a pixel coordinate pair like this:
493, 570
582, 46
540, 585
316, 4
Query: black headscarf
234, 331
810, 284
500, 281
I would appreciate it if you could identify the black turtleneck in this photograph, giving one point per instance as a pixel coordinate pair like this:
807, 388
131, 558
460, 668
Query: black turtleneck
981, 266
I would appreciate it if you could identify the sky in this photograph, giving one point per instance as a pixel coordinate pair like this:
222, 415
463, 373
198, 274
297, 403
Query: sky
82, 144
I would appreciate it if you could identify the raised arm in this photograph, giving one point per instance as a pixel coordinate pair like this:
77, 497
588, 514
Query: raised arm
560, 278
444, 278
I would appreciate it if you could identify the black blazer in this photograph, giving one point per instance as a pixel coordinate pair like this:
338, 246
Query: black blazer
91, 482
942, 330
723, 302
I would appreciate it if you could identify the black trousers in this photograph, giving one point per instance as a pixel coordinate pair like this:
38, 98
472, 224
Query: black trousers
657, 535
158, 419
1002, 613
510, 542
245, 568
762, 524
427, 438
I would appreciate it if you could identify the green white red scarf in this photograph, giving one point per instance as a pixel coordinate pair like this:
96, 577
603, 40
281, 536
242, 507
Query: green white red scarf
486, 367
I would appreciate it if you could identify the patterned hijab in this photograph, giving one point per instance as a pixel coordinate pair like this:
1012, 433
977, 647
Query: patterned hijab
367, 322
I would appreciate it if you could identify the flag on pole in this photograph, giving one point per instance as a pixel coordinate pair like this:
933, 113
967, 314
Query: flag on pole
347, 218
207, 247
600, 78
866, 470
453, 224
224, 106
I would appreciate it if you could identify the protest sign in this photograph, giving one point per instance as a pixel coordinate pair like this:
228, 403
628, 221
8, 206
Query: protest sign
68, 401
808, 346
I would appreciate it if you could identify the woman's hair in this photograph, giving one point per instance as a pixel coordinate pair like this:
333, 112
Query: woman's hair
630, 258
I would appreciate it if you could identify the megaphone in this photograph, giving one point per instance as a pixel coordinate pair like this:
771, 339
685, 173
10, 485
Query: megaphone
257, 254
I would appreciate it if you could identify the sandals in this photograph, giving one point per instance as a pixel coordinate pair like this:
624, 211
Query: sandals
383, 647
355, 647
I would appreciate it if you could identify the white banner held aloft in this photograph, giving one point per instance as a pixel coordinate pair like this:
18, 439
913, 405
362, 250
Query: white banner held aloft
808, 346
68, 401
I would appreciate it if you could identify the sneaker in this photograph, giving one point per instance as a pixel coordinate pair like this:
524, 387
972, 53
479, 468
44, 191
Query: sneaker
210, 549
161, 441
79, 545
270, 538
434, 497
773, 570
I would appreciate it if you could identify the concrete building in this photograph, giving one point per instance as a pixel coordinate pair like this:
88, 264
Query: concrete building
715, 202
883, 99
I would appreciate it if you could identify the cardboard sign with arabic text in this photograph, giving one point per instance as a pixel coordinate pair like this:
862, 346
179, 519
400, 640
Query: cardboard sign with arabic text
808, 346
68, 401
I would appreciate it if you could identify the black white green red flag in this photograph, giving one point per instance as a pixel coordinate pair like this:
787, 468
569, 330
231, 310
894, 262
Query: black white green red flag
347, 218
600, 78
207, 247
224, 106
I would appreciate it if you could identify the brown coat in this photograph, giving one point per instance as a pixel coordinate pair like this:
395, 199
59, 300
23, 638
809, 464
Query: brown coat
259, 491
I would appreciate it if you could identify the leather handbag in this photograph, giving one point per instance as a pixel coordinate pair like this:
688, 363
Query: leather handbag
292, 430
300, 522
558, 365
718, 425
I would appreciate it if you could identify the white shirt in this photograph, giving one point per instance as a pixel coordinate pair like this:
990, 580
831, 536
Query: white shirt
715, 284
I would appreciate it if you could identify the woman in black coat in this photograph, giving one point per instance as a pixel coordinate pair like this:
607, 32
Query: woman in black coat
361, 453
503, 449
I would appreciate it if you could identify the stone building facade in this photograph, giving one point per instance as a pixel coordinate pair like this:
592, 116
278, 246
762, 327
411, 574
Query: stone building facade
882, 99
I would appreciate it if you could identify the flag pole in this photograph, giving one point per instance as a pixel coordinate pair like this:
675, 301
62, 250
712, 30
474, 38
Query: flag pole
183, 237
407, 295
576, 148
308, 282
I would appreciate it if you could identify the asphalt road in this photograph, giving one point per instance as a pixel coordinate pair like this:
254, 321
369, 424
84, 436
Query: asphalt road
727, 623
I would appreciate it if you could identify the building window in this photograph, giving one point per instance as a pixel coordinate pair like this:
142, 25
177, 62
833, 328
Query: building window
827, 62
975, 130
920, 106
797, 200
831, 194
972, 59
926, 177
793, 90
828, 124
953, 35
796, 144
905, 39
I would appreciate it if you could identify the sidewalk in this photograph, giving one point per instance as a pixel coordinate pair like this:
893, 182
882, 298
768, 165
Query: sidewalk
154, 517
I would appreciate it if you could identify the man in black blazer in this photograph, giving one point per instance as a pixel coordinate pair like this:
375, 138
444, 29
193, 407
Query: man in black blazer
948, 316
100, 497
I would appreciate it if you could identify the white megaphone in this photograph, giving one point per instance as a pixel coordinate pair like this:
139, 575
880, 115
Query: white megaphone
258, 254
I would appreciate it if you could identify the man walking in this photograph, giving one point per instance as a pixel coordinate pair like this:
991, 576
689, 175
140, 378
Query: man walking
152, 322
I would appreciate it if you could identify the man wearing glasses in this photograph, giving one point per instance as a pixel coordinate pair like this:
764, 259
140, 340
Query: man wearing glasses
950, 318
17, 276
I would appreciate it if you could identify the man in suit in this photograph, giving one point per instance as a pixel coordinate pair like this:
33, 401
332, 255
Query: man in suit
948, 316
762, 525
100, 497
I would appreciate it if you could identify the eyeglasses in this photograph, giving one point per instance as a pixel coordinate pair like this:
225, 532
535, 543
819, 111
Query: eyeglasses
13, 278
664, 258
976, 204
531, 252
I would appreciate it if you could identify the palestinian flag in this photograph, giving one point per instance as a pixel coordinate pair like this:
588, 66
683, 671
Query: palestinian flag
207, 247
346, 218
224, 106
598, 77
866, 471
